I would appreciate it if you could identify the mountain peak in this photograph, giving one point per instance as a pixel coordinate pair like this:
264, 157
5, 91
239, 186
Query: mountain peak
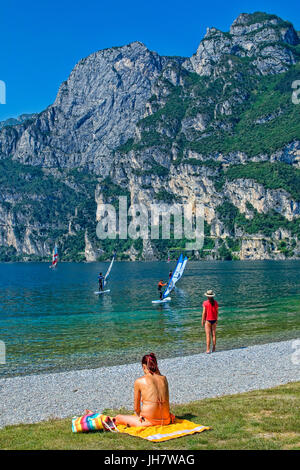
248, 23
266, 25
137, 44
212, 31
263, 38
246, 19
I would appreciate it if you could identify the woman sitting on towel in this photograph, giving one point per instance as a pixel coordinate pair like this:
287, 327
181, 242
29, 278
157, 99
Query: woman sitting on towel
151, 399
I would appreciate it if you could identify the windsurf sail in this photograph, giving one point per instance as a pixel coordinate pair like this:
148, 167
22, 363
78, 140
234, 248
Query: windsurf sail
178, 272
182, 267
108, 271
54, 257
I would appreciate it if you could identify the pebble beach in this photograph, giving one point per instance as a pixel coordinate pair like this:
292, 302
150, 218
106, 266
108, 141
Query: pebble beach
34, 398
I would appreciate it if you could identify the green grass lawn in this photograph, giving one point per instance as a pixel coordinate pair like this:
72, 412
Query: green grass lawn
264, 419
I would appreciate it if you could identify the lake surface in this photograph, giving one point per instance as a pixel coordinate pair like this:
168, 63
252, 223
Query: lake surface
52, 320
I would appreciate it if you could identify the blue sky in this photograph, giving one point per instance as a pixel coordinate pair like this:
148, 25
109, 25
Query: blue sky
41, 41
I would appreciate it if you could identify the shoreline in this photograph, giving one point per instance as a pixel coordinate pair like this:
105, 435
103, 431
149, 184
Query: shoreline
222, 348
162, 260
35, 398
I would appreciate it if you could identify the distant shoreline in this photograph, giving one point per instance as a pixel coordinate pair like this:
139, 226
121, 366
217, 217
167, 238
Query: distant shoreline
35, 398
153, 261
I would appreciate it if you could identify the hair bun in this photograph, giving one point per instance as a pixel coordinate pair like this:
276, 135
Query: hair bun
151, 362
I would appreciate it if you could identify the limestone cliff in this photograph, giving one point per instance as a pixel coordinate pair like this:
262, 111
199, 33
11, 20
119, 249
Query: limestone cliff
218, 128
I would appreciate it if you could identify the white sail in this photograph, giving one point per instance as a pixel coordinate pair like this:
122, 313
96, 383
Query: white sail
182, 267
108, 271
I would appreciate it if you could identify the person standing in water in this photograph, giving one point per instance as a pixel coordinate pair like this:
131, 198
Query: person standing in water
210, 319
101, 281
160, 285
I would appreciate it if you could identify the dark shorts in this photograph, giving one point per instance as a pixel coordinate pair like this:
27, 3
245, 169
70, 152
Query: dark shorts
212, 321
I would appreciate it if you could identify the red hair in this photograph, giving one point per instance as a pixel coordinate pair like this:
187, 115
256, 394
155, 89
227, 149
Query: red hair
149, 360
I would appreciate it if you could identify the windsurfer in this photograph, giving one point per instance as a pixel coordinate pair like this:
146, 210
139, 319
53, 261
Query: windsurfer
100, 279
160, 285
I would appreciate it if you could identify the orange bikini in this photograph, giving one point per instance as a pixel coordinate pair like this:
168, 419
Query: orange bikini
158, 421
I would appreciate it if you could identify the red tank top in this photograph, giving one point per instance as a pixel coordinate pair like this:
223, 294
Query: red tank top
211, 310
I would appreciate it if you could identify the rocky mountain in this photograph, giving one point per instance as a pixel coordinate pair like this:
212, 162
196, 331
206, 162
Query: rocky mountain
19, 120
218, 128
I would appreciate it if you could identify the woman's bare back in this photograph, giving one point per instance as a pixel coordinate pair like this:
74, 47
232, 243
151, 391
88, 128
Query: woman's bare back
151, 398
154, 391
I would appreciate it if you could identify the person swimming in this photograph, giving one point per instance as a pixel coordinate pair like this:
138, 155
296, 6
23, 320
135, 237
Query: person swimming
101, 281
210, 319
160, 285
151, 399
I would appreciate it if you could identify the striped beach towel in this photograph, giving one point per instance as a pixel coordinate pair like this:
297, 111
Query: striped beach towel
180, 428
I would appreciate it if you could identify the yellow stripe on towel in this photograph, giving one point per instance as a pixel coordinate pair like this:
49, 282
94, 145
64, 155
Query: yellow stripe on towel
180, 428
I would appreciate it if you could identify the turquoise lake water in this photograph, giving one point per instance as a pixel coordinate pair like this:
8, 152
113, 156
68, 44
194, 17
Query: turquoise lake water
53, 321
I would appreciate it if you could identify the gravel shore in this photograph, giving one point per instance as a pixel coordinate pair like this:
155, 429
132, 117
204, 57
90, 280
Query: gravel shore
34, 398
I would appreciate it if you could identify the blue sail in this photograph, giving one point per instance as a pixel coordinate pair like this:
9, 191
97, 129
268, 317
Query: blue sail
175, 276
